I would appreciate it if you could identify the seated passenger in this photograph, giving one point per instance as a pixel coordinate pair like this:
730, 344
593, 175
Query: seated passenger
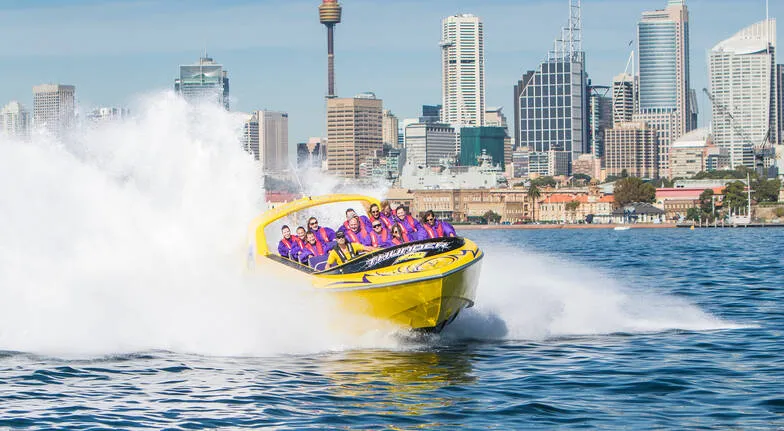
350, 213
435, 228
399, 235
380, 236
356, 232
313, 247
324, 234
375, 214
344, 251
287, 243
408, 223
299, 243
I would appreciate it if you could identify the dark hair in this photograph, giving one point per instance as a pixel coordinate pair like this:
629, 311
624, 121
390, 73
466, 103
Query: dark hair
373, 205
340, 234
399, 228
301, 227
350, 210
312, 219
427, 214
285, 226
310, 232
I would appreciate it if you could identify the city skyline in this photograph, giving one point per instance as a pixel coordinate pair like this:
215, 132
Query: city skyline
280, 65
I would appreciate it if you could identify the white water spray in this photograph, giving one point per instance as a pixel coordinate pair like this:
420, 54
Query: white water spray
131, 236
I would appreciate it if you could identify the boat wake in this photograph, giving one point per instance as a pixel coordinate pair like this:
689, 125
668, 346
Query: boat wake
547, 297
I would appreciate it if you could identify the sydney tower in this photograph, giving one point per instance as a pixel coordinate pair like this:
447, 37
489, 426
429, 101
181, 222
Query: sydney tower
329, 15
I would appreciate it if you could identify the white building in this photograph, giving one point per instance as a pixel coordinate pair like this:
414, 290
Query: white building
108, 114
54, 107
417, 177
462, 71
15, 120
428, 143
744, 91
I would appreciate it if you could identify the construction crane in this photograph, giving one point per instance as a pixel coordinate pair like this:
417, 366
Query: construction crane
762, 151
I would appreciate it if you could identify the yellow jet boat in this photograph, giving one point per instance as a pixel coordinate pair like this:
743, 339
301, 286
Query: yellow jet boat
420, 285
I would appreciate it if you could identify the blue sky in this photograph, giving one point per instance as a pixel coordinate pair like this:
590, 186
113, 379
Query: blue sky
114, 51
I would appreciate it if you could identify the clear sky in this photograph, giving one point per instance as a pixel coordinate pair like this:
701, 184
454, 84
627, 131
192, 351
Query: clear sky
275, 50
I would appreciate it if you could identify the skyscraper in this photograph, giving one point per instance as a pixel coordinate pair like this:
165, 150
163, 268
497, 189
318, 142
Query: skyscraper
329, 15
429, 143
354, 133
663, 65
599, 118
390, 126
462, 71
206, 80
15, 120
54, 107
631, 147
266, 136
623, 98
743, 91
551, 103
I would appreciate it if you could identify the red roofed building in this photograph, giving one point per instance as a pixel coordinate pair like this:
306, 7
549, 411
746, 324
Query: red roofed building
676, 201
558, 207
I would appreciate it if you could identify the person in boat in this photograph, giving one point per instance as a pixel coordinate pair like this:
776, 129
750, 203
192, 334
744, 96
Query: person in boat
344, 251
356, 232
312, 247
433, 228
364, 222
299, 243
399, 235
380, 236
375, 215
411, 225
287, 244
324, 234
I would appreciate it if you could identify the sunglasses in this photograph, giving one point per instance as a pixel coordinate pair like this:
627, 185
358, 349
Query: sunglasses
374, 211
430, 219
376, 225
313, 223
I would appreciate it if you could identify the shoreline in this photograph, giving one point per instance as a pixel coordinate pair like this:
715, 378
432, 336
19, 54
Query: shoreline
562, 226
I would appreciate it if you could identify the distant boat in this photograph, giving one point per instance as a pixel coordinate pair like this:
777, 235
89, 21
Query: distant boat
621, 228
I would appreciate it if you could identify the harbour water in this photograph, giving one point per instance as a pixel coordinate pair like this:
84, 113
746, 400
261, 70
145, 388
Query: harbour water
665, 329
125, 305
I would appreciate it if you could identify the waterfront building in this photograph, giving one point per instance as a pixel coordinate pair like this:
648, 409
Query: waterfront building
427, 144
107, 113
600, 118
665, 95
520, 162
476, 141
354, 132
203, 81
551, 103
389, 129
15, 120
462, 71
624, 98
494, 117
54, 107
743, 89
418, 177
573, 207
632, 147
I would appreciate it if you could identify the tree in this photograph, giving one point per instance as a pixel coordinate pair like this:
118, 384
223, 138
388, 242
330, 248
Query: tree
624, 173
735, 196
633, 189
491, 216
534, 194
544, 182
693, 214
766, 190
582, 177
706, 203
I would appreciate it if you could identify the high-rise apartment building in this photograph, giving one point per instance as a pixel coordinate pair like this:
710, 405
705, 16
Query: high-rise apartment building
273, 140
462, 71
551, 104
427, 144
15, 120
632, 147
743, 89
780, 100
664, 73
204, 81
354, 133
390, 129
54, 107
